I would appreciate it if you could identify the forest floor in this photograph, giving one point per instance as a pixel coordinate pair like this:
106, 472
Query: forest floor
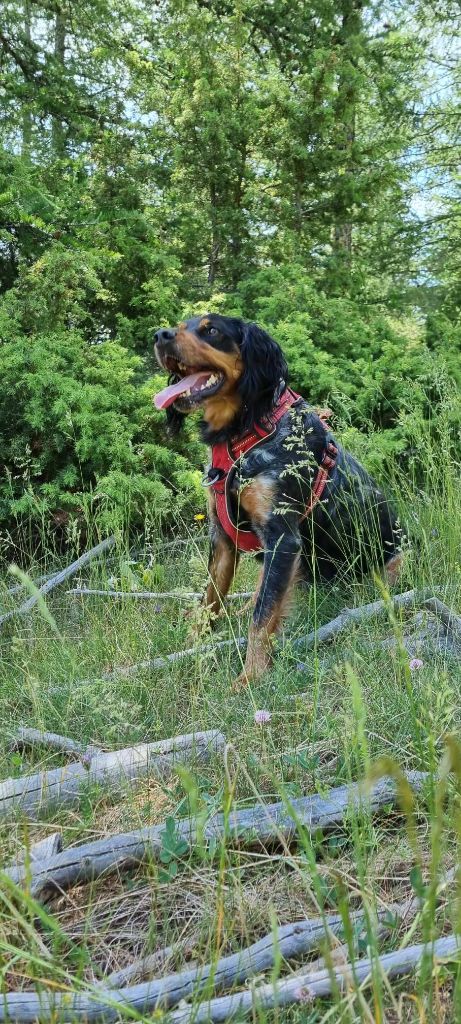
358, 701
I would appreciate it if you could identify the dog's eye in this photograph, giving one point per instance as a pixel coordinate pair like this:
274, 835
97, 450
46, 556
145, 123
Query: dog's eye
211, 332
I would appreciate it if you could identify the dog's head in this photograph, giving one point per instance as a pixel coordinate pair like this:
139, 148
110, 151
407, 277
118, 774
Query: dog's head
230, 368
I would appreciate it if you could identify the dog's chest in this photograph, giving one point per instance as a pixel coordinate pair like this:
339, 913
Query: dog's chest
253, 499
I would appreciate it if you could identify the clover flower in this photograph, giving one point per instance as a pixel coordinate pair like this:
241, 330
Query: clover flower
415, 663
262, 717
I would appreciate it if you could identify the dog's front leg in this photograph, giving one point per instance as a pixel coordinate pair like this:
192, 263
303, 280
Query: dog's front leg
281, 562
222, 562
222, 566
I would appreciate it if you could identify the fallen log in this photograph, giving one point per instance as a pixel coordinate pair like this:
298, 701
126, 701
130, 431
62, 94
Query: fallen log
149, 595
290, 941
27, 1007
304, 988
262, 823
449, 618
32, 794
58, 578
342, 622
26, 737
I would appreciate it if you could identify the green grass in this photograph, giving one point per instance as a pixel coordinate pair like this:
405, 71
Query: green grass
360, 704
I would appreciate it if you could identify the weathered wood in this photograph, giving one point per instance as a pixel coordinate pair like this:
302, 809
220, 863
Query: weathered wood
162, 661
259, 824
342, 622
26, 737
304, 988
318, 636
143, 968
41, 850
58, 578
31, 794
27, 1007
149, 595
449, 618
290, 941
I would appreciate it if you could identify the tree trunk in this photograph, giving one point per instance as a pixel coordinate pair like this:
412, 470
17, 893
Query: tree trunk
58, 137
346, 109
215, 242
26, 114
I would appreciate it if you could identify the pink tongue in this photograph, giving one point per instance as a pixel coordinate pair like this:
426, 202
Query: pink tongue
168, 395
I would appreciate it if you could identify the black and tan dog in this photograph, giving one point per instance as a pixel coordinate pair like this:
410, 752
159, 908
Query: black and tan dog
279, 482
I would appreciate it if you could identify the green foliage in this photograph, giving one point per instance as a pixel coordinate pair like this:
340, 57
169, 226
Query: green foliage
77, 426
267, 160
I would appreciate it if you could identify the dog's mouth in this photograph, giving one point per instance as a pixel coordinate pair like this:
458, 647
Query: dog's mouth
190, 385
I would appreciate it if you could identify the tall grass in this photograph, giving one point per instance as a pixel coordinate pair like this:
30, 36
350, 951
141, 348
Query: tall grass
361, 711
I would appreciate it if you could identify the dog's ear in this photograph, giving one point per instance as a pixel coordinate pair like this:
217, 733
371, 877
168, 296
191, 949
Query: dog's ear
264, 369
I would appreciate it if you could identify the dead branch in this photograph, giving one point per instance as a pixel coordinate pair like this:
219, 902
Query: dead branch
261, 823
25, 737
342, 622
141, 969
27, 1007
149, 595
59, 578
114, 770
124, 671
306, 987
290, 941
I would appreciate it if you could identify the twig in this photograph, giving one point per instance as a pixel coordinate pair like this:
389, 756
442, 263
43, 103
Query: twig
31, 794
259, 824
59, 578
148, 595
26, 737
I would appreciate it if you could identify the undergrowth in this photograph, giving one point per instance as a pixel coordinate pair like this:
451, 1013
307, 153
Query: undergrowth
337, 713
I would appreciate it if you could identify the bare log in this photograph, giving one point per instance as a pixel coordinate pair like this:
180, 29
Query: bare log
342, 622
26, 737
59, 578
31, 794
320, 635
149, 595
259, 824
290, 941
304, 988
27, 1007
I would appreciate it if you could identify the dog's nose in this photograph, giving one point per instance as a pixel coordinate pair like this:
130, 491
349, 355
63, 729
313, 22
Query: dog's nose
163, 335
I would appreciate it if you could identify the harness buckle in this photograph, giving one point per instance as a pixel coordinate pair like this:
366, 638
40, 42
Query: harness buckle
213, 476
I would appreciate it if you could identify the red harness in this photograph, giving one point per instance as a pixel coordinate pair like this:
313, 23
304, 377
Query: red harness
224, 457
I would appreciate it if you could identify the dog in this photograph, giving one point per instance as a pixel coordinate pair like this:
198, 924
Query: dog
279, 482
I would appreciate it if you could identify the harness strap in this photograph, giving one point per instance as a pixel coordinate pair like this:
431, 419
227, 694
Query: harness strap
225, 457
